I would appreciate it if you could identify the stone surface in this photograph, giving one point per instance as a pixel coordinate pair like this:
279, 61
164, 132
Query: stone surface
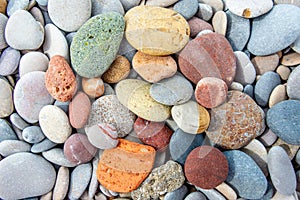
33, 134
56, 156
9, 147
154, 68
104, 6
26, 65
282, 19
195, 196
293, 86
268, 137
94, 87
16, 5
211, 194
264, 64
211, 92
205, 11
155, 34
217, 5
191, 117
6, 99
118, 70
94, 184
30, 95
283, 71
172, 91
290, 149
161, 3
197, 25
97, 41
219, 22
210, 51
245, 71
235, 123
291, 59
61, 187
79, 110
59, 79
283, 120
22, 23
281, 171
6, 132
3, 21
42, 146
206, 167
163, 179
178, 194
226, 191
296, 45
55, 124
38, 15
278, 94
264, 87
63, 105
245, 176
187, 8
69, 15
128, 4
9, 61
25, 175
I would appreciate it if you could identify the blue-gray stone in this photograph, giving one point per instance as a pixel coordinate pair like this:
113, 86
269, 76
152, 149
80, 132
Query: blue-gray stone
42, 2
238, 31
182, 143
281, 171
275, 30
57, 157
104, 6
178, 194
42, 146
126, 49
264, 87
69, 37
33, 134
248, 89
293, 84
14, 5
172, 91
25, 175
296, 45
127, 4
9, 61
6, 132
62, 105
9, 147
269, 193
96, 43
17, 120
195, 196
80, 178
187, 8
211, 193
245, 176
297, 159
284, 120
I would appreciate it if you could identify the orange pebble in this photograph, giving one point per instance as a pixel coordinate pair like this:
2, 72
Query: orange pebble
94, 87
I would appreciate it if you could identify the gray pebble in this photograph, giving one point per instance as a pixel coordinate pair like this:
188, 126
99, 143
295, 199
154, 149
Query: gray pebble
18, 132
295, 46
195, 196
205, 12
17, 120
93, 186
6, 132
69, 37
9, 61
293, 84
187, 8
126, 50
46, 16
127, 4
212, 194
9, 147
103, 6
33, 134
42, 2
3, 21
57, 157
62, 105
42, 146
14, 5
245, 71
108, 90
249, 89
178, 194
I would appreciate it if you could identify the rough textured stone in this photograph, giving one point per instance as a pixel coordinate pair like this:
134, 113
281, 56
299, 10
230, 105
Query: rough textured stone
118, 70
293, 86
79, 110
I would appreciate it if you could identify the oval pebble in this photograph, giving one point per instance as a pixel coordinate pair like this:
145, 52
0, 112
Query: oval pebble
42, 146
245, 176
22, 22
195, 196
33, 134
97, 41
29, 100
245, 71
31, 176
226, 191
78, 149
219, 22
94, 87
281, 171
293, 86
205, 11
79, 110
197, 25
178, 194
57, 156
6, 99
61, 187
38, 15
278, 94
160, 3
9, 147
3, 21
283, 71
211, 193
117, 71
16, 5
17, 121
26, 65
146, 35
9, 61
99, 7
187, 8
55, 124
172, 91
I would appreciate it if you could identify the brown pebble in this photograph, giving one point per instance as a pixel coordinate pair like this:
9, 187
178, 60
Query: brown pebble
117, 71
264, 64
94, 87
197, 25
291, 59
3, 5
283, 71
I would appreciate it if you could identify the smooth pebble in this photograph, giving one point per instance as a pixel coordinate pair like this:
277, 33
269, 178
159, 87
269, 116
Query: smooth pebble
33, 134
204, 12
15, 5
293, 84
278, 94
264, 64
178, 194
219, 22
57, 156
79, 110
27, 65
9, 61
245, 71
61, 187
3, 21
42, 146
9, 147
187, 8
6, 99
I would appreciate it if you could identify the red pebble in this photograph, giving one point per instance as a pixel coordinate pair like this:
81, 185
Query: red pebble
197, 25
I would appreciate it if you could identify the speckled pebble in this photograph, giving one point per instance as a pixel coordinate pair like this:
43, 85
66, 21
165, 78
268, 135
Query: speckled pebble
245, 71
293, 84
33, 134
187, 8
27, 65
9, 61
117, 71
9, 147
6, 99
94, 87
57, 156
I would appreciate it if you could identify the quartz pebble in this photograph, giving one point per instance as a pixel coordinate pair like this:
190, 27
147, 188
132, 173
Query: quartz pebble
293, 86
9, 61
6, 99
26, 65
264, 64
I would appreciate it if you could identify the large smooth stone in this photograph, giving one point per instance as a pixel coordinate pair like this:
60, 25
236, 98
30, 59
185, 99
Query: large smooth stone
284, 120
31, 95
293, 84
283, 20
96, 43
25, 175
6, 99
155, 30
245, 176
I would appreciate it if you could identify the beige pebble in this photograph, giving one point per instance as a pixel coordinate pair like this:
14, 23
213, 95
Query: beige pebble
264, 64
291, 59
3, 5
118, 70
94, 87
227, 191
283, 71
279, 196
62, 183
289, 148
278, 94
236, 86
27, 65
47, 196
6, 99
219, 22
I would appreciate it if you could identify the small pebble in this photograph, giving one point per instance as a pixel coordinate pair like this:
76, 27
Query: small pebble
268, 137
15, 5
245, 71
278, 94
9, 61
42, 146
226, 191
291, 59
33, 134
236, 86
57, 156
93, 186
293, 86
38, 15
249, 90
197, 25
94, 87
178, 194
265, 64
195, 196
217, 5
62, 184
187, 8
26, 65
219, 22
204, 12
6, 99
9, 147
283, 71
63, 105
79, 110
128, 4
17, 121
118, 70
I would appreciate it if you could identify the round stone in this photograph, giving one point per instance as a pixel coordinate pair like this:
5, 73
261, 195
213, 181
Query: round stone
293, 84
143, 32
30, 95
118, 70
6, 99
187, 8
245, 71
94, 87
54, 123
27, 65
211, 92
97, 41
79, 110
78, 149
197, 25
69, 15
9, 61
191, 117
33, 134
206, 167
22, 23
235, 123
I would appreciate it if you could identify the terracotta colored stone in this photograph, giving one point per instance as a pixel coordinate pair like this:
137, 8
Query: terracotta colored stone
153, 68
117, 71
211, 92
264, 64
60, 79
78, 149
206, 167
94, 87
155, 134
197, 25
124, 168
3, 4
291, 59
235, 123
79, 110
208, 56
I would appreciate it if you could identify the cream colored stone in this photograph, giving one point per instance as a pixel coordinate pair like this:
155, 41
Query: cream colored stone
291, 59
219, 22
236, 86
278, 94
227, 191
283, 71
6, 99
62, 184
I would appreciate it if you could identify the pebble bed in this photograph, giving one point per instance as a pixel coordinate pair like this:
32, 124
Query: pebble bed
150, 99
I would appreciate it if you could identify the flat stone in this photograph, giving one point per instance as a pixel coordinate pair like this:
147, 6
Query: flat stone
195, 196
6, 99
23, 23
42, 146
187, 8
238, 31
25, 175
17, 121
226, 191
27, 65
282, 19
69, 16
104, 6
293, 86
33, 134
172, 91
235, 123
160, 3
56, 156
278, 94
9, 61
55, 124
9, 147
264, 87
283, 71
3, 21
265, 64
30, 100
79, 110
206, 49
178, 194
159, 38
268, 137
118, 70
16, 5
205, 11
281, 171
197, 25
291, 59
245, 71
62, 184
94, 87
219, 22
245, 176
80, 178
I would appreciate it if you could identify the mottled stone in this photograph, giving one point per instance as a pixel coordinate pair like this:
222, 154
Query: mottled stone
245, 71
197, 25
94, 87
6, 99
62, 184
293, 86
264, 64
118, 70
187, 8
56, 156
9, 61
27, 65
9, 147
79, 110
219, 22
